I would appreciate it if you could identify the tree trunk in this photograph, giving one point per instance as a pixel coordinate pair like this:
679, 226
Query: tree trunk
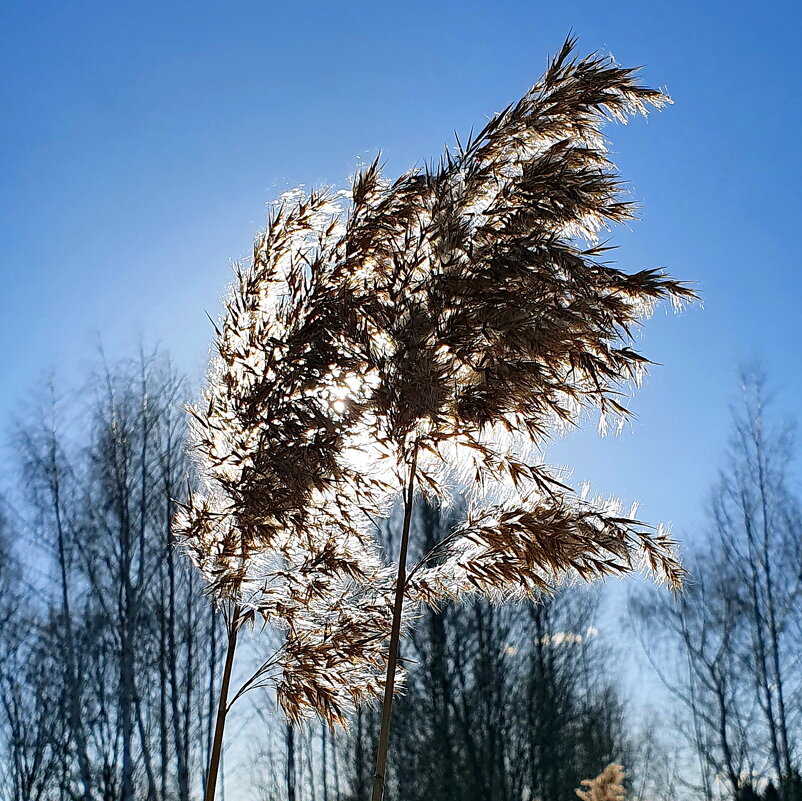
290, 731
324, 760
74, 683
126, 710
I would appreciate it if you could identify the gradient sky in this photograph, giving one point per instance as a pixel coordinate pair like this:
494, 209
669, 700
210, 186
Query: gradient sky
140, 141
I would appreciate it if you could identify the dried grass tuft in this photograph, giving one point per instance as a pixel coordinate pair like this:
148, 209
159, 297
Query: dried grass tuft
607, 786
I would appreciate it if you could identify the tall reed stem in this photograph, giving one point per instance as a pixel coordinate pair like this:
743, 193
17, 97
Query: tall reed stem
222, 706
395, 637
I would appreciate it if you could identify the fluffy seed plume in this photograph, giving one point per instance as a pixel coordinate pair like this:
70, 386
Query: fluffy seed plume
416, 334
607, 786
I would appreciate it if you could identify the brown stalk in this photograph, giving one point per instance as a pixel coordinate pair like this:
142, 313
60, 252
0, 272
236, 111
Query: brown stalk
222, 707
395, 637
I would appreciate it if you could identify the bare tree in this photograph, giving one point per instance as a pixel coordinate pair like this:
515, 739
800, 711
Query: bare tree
758, 522
29, 710
727, 650
30, 728
119, 646
51, 490
691, 644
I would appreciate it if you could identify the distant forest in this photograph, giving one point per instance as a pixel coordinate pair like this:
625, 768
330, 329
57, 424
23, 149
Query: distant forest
110, 654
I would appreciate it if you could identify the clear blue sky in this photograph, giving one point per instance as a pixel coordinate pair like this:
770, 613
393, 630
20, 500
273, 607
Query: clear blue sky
140, 141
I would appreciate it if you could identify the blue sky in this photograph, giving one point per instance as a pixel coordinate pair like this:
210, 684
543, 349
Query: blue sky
141, 141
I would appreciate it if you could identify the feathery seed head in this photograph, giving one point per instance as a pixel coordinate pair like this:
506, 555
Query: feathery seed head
459, 313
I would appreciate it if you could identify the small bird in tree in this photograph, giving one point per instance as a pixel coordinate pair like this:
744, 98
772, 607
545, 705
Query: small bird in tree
422, 334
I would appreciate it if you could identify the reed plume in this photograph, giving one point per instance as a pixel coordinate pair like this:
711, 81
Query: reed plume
607, 786
421, 334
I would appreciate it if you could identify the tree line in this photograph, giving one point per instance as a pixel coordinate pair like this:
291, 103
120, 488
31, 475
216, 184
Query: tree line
110, 655
108, 651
